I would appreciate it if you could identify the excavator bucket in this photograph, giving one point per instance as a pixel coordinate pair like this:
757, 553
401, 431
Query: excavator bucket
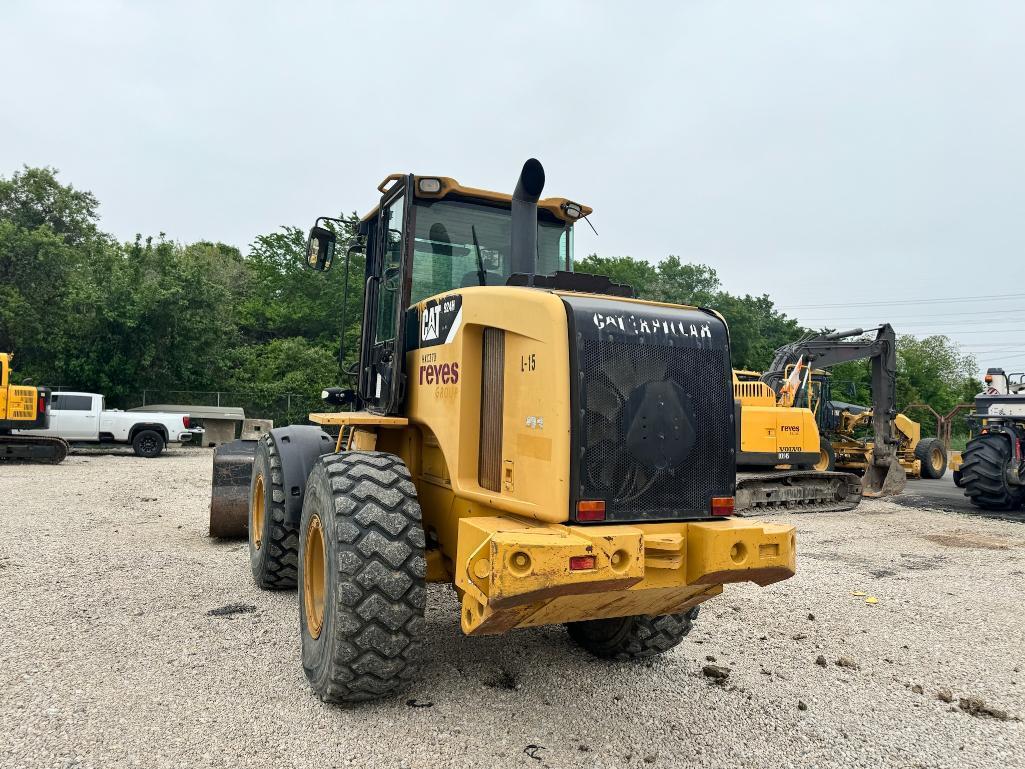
884, 478
229, 502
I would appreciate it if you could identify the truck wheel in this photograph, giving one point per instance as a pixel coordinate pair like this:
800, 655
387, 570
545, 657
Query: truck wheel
273, 543
631, 638
984, 473
148, 443
933, 455
362, 587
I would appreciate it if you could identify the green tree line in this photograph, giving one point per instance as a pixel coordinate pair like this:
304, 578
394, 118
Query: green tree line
82, 310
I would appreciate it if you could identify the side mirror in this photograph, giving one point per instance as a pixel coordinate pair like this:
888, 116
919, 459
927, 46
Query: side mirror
320, 249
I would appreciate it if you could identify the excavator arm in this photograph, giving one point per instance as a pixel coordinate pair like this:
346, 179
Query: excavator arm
885, 476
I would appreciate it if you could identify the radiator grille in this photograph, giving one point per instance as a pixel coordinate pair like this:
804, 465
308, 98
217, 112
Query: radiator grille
656, 436
492, 392
754, 393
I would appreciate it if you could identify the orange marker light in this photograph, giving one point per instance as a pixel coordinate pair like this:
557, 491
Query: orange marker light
591, 510
581, 562
722, 505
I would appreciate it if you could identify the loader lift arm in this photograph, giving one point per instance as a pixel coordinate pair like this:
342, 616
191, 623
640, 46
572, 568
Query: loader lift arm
885, 476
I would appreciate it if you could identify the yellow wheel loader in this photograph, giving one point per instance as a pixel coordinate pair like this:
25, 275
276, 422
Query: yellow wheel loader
25, 408
557, 450
785, 456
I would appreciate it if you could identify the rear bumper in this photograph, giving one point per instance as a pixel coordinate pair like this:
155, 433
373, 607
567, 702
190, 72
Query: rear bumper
516, 573
192, 433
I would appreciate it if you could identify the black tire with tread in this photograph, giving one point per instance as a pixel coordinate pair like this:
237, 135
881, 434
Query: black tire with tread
275, 564
984, 474
958, 479
923, 453
148, 444
370, 641
631, 638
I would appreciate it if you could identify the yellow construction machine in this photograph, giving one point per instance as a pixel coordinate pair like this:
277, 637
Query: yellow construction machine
555, 449
25, 408
920, 457
785, 458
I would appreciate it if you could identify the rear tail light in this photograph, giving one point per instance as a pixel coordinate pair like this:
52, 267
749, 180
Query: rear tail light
185, 421
581, 562
591, 510
722, 505
42, 405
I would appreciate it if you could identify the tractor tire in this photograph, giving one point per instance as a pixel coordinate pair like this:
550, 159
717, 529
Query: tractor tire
273, 542
827, 457
958, 478
984, 473
632, 638
933, 455
362, 587
148, 444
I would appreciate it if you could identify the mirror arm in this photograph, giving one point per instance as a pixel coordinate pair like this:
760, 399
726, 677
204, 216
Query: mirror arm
345, 308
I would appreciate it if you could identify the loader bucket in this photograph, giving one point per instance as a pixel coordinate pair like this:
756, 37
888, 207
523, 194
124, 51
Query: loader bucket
229, 500
885, 478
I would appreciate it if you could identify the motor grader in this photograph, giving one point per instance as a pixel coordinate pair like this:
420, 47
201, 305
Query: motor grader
557, 450
920, 457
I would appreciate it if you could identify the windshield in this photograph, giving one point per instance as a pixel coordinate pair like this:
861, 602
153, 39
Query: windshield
459, 244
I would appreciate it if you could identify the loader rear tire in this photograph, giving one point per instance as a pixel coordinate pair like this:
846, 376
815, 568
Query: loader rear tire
984, 473
631, 638
362, 586
273, 542
933, 455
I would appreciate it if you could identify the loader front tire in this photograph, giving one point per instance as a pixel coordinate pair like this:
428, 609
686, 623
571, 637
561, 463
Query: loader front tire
631, 638
362, 576
273, 542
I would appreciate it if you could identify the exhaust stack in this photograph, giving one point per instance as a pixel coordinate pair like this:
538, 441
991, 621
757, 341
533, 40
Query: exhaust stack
523, 230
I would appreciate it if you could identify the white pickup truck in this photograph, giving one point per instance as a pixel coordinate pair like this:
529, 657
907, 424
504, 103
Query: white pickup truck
81, 418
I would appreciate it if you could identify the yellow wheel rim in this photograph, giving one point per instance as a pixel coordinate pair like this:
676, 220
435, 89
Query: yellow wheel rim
823, 463
314, 576
256, 504
937, 459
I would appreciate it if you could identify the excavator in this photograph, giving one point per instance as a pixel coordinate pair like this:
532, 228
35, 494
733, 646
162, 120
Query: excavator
25, 408
784, 456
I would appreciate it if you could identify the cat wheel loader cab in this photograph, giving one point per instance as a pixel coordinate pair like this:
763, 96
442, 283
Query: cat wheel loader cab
555, 449
25, 408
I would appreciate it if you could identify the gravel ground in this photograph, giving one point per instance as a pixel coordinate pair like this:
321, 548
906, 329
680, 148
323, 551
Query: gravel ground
108, 656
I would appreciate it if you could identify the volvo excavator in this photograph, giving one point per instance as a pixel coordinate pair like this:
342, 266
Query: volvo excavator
25, 408
784, 457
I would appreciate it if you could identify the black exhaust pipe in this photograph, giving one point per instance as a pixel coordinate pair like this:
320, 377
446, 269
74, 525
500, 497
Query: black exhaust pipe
523, 230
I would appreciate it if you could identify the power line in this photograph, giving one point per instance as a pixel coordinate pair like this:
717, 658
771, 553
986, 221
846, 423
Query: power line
989, 297
925, 315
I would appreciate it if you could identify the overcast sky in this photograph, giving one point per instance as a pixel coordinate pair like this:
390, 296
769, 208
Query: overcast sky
829, 154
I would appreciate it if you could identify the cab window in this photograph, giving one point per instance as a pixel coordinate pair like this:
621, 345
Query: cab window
458, 244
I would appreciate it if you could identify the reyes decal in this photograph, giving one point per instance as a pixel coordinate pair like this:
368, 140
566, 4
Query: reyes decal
439, 373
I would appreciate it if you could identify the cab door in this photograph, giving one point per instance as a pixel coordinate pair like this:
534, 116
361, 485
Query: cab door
382, 380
